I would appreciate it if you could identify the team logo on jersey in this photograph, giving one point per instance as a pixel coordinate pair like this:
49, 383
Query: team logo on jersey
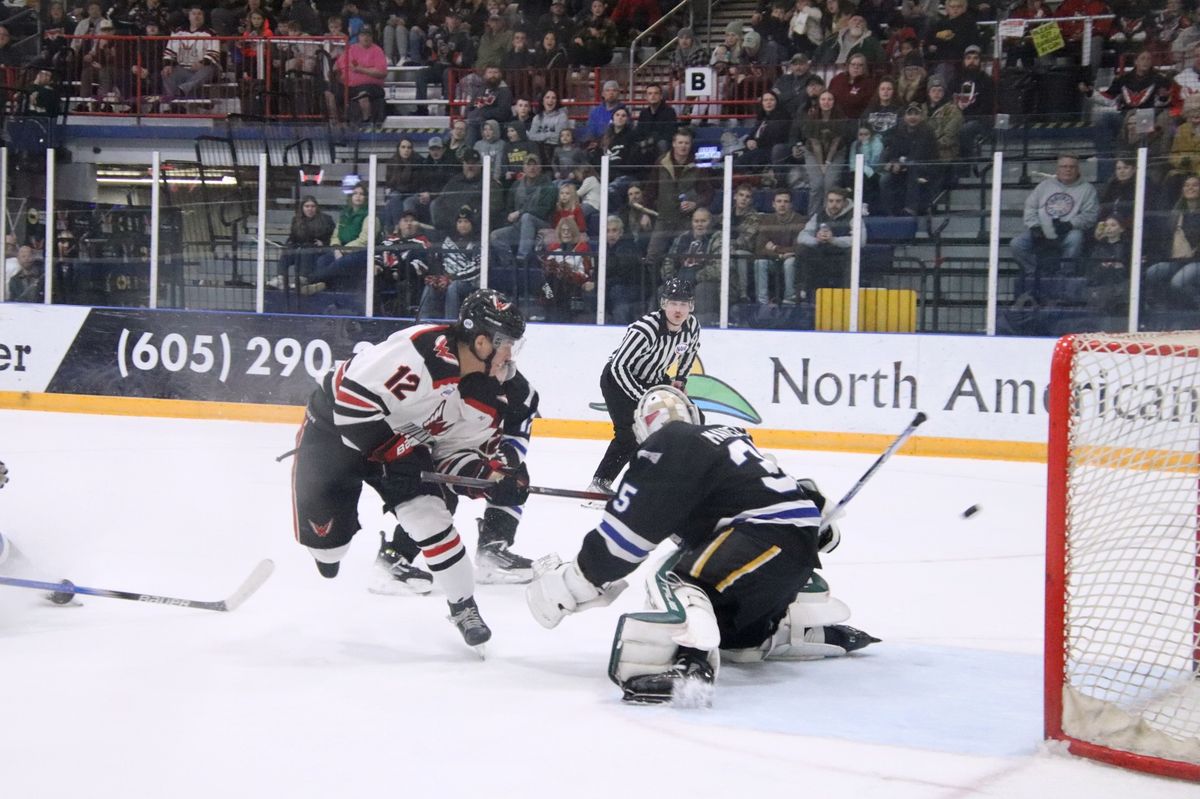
711, 395
441, 348
436, 424
321, 530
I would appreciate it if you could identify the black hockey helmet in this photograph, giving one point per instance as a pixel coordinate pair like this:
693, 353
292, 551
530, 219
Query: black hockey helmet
677, 288
490, 313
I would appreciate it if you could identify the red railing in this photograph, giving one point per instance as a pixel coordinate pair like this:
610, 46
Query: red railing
278, 77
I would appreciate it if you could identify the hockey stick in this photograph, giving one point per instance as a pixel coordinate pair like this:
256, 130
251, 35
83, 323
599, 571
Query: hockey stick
63, 591
840, 507
479, 482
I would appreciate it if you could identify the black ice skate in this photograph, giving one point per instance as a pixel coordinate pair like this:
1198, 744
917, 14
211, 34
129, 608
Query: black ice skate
466, 618
847, 637
395, 575
496, 564
688, 683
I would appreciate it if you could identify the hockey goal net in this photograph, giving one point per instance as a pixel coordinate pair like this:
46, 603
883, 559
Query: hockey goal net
1123, 550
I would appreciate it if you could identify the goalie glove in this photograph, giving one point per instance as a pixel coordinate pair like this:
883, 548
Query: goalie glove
565, 590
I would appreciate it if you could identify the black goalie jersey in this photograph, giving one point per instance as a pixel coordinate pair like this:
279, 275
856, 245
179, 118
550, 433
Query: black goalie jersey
691, 481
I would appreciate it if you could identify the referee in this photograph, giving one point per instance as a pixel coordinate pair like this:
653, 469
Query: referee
651, 344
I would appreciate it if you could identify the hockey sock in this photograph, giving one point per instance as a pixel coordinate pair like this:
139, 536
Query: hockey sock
447, 559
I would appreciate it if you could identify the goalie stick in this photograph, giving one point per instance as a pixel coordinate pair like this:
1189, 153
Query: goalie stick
840, 507
479, 482
232, 602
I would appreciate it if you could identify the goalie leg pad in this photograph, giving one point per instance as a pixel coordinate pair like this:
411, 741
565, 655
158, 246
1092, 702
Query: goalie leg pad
811, 630
680, 615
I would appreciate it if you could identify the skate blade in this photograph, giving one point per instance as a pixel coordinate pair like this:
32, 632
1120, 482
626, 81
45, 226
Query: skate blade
486, 576
386, 586
481, 650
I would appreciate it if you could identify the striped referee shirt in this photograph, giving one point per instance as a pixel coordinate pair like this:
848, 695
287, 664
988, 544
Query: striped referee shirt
649, 348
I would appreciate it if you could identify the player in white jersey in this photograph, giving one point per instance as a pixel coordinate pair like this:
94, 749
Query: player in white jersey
428, 398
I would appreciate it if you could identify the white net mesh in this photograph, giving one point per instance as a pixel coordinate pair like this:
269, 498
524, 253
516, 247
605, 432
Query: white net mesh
1132, 627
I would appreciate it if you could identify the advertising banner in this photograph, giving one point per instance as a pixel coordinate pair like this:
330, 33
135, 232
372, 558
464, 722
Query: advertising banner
971, 387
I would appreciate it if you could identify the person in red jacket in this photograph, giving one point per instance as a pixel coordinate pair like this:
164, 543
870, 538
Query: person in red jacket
854, 88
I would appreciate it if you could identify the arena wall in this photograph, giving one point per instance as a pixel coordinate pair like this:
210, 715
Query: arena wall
985, 397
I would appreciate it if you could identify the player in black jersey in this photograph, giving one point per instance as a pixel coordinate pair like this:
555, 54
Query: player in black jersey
670, 335
742, 582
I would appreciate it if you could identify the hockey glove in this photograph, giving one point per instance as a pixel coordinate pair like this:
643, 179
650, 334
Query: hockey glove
3, 474
401, 479
565, 590
512, 490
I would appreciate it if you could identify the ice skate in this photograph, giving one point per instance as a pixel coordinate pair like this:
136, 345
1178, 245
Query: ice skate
496, 564
466, 618
395, 575
689, 683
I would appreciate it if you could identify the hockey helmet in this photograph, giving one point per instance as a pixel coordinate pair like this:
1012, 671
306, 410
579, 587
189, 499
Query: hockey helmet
660, 405
677, 288
488, 312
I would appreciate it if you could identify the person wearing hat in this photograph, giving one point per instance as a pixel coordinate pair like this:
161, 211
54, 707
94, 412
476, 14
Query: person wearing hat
456, 274
973, 92
687, 53
595, 38
527, 209
910, 88
945, 119
792, 85
465, 188
558, 22
495, 41
910, 161
729, 51
600, 117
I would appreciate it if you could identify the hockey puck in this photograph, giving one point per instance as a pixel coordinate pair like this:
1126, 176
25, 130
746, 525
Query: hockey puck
64, 596
971, 511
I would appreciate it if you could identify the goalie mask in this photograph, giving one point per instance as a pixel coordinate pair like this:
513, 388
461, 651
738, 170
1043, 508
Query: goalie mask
660, 405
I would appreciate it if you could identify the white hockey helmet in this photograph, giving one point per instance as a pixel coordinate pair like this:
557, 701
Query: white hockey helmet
660, 405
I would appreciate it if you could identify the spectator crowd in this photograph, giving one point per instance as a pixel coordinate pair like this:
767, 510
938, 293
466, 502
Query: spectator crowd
802, 89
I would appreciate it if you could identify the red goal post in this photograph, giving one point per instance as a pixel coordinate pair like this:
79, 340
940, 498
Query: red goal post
1122, 659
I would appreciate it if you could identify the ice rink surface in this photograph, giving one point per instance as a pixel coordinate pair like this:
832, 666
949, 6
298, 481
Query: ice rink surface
318, 688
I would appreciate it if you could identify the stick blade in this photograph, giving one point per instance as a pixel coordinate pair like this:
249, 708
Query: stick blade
252, 583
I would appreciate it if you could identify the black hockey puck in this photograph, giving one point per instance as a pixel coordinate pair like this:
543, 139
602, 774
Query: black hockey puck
971, 511
63, 596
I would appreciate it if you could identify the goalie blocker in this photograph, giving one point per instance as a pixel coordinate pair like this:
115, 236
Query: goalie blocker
742, 582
